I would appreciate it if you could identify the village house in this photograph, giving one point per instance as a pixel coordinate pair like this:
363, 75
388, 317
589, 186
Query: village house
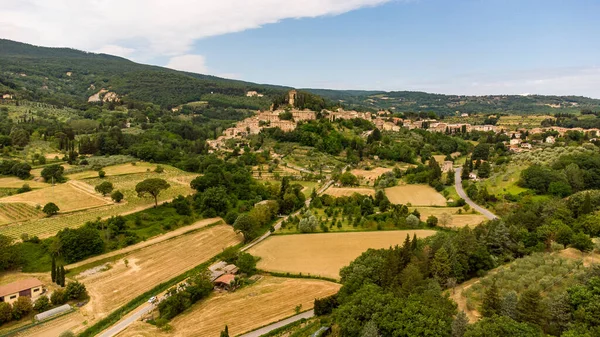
30, 287
447, 166
550, 140
526, 146
253, 94
515, 141
7, 96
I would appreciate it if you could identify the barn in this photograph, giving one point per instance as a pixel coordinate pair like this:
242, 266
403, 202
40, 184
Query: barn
30, 287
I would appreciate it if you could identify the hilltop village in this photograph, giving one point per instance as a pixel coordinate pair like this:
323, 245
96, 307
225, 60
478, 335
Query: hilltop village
288, 118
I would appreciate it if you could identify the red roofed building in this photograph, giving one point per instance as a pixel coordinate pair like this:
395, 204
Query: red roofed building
30, 287
224, 281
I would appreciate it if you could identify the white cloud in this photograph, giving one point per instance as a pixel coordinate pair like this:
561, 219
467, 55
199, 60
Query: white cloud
150, 27
112, 49
191, 63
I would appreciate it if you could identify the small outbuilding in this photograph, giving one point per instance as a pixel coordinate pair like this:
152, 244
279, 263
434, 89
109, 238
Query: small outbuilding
225, 281
30, 287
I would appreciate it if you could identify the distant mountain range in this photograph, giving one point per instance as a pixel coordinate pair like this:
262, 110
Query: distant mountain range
64, 76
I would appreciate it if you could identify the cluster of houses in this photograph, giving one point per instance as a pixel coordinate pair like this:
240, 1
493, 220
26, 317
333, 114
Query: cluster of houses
223, 274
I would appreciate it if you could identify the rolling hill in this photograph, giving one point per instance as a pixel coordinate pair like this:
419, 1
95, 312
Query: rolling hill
63, 76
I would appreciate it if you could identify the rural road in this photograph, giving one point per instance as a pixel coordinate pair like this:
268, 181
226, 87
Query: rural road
277, 325
123, 324
462, 194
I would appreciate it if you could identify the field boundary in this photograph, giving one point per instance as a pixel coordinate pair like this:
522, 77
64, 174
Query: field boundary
297, 276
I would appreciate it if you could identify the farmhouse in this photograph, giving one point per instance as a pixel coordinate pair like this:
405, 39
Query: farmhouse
447, 167
30, 287
224, 281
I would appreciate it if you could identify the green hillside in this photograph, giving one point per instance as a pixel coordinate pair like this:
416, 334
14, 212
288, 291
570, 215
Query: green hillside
411, 101
40, 74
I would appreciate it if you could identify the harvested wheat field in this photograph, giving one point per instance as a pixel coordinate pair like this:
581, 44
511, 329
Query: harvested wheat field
14, 182
269, 300
456, 220
152, 265
68, 197
370, 175
348, 191
115, 170
324, 254
416, 195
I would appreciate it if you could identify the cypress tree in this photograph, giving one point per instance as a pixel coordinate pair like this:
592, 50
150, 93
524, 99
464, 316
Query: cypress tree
491, 302
62, 276
225, 333
53, 271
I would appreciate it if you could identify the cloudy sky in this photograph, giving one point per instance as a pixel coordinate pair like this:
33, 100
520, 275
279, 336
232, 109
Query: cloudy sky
445, 46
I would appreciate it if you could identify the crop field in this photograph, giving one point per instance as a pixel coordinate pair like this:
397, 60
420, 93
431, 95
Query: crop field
115, 170
323, 254
348, 191
152, 265
14, 212
269, 300
261, 172
416, 195
45, 227
369, 176
68, 197
456, 220
14, 182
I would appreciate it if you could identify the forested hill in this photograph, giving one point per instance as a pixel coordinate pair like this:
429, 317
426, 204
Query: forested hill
405, 101
64, 76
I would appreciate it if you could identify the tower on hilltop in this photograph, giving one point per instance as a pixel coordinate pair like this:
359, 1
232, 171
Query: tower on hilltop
292, 97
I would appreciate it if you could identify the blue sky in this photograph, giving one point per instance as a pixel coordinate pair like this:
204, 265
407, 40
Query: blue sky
445, 46
457, 47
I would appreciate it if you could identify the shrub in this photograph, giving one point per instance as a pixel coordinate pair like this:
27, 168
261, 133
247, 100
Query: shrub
101, 174
50, 209
22, 307
104, 188
75, 291
230, 217
117, 196
5, 312
58, 297
24, 188
159, 169
42, 304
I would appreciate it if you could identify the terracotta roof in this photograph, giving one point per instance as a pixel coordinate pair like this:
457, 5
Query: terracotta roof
21, 285
226, 279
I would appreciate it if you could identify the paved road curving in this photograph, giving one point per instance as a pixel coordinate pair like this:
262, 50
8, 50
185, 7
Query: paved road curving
462, 194
124, 323
277, 325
